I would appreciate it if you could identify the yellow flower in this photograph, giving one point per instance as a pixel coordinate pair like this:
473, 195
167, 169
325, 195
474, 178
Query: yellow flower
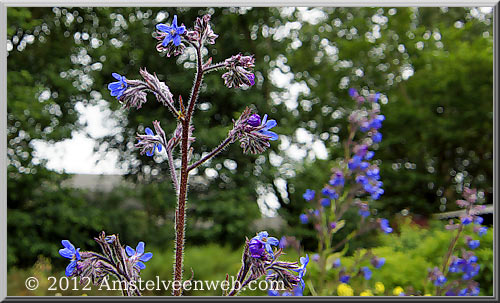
379, 288
366, 293
428, 295
397, 290
344, 290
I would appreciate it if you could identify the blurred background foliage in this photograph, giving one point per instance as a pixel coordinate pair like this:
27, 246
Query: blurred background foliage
433, 66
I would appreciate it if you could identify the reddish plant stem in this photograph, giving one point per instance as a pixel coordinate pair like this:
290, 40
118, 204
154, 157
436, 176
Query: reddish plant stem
181, 205
451, 248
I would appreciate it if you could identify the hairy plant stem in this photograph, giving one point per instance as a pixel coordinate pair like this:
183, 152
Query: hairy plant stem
181, 204
173, 173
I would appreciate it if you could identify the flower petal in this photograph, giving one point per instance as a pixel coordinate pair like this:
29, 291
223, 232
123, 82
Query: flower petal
149, 131
264, 120
140, 248
66, 252
116, 76
68, 245
273, 241
270, 124
177, 40
114, 86
174, 22
181, 30
163, 27
159, 147
167, 40
140, 265
262, 234
150, 152
70, 268
272, 135
130, 251
146, 257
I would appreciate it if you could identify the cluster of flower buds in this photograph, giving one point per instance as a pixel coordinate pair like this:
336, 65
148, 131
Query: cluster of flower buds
261, 260
253, 132
124, 263
202, 32
239, 71
360, 270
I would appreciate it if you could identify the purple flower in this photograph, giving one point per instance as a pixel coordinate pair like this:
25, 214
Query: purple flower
344, 278
254, 120
138, 256
369, 155
283, 242
303, 218
309, 194
256, 248
353, 92
71, 253
173, 31
251, 79
450, 293
266, 126
263, 237
384, 225
315, 257
366, 272
118, 88
273, 293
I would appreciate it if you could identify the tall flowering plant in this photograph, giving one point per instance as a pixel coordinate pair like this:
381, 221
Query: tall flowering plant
354, 183
455, 276
252, 130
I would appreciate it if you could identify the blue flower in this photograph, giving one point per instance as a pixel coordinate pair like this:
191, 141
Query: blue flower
345, 278
325, 202
173, 32
251, 78
376, 123
303, 218
353, 92
364, 213
440, 280
309, 194
118, 88
384, 225
336, 263
138, 256
267, 125
473, 244
273, 293
482, 231
263, 237
478, 220
367, 272
379, 262
302, 269
330, 193
466, 220
377, 137
71, 253
151, 152
338, 180
369, 155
